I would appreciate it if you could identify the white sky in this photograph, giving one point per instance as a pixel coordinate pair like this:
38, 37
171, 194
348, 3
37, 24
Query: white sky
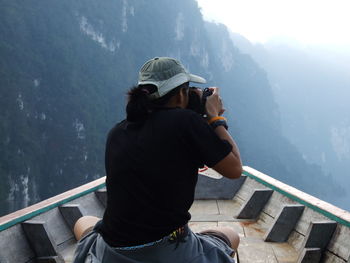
306, 21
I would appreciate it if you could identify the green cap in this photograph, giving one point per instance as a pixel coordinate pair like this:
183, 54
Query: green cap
166, 74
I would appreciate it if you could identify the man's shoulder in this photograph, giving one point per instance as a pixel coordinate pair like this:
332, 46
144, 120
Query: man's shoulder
184, 117
118, 127
180, 113
190, 115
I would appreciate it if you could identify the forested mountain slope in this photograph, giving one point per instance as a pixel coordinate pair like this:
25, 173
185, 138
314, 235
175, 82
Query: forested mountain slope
65, 67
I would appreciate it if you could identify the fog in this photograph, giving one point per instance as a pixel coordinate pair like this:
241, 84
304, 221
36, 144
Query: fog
308, 22
311, 85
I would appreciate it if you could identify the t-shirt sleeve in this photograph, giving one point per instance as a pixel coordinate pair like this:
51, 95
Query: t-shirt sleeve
204, 142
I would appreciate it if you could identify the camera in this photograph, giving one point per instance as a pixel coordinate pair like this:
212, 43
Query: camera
196, 102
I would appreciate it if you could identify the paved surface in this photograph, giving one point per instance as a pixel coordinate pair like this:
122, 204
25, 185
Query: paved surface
211, 213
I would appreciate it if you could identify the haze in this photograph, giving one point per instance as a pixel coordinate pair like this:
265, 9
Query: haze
304, 47
308, 22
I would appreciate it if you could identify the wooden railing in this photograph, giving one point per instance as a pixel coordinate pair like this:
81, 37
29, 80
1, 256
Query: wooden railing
48, 204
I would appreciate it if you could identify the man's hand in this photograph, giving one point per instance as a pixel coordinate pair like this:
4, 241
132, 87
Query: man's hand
214, 106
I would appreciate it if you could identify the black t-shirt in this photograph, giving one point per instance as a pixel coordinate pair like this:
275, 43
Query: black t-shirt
152, 170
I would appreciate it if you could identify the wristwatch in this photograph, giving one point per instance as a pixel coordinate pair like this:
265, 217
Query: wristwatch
218, 123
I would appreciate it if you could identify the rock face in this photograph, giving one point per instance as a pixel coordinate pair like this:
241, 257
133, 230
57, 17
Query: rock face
64, 70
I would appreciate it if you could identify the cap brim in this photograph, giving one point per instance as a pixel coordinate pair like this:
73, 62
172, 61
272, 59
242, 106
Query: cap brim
166, 85
197, 79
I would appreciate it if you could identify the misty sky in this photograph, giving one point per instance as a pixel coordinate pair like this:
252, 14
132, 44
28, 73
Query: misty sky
322, 22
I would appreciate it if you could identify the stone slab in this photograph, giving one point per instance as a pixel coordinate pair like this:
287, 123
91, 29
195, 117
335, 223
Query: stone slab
253, 229
204, 207
213, 218
248, 188
255, 250
319, 234
313, 201
340, 243
284, 223
224, 188
265, 220
236, 226
68, 252
284, 252
306, 218
310, 255
90, 205
296, 239
56, 225
276, 202
71, 213
102, 196
331, 258
255, 204
40, 238
13, 246
229, 207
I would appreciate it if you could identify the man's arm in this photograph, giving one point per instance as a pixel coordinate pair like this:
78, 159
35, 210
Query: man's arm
231, 165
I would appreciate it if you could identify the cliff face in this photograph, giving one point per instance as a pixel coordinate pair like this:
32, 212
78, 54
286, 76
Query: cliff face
309, 84
64, 70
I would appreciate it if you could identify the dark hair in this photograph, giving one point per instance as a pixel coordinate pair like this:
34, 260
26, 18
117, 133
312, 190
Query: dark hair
139, 104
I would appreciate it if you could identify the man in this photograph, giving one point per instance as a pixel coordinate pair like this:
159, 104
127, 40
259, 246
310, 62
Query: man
152, 160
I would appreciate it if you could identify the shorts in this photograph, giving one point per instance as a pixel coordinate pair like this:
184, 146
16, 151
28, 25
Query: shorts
194, 248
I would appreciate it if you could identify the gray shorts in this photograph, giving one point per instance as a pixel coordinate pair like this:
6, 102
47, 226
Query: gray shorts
195, 248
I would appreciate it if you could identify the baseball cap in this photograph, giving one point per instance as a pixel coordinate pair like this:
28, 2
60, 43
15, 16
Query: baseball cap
166, 74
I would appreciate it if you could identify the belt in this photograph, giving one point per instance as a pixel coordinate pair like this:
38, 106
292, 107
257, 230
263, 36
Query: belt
176, 236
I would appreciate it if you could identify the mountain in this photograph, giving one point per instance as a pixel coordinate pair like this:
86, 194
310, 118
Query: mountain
310, 85
64, 71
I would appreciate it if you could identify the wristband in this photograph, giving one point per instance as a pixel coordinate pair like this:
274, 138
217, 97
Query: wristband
213, 119
218, 123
